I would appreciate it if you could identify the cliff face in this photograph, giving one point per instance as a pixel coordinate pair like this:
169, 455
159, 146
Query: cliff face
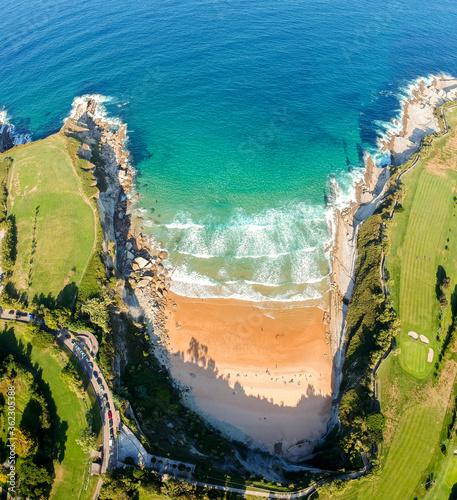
129, 253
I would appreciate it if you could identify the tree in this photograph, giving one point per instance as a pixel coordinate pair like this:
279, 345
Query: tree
35, 481
97, 309
174, 488
8, 368
376, 423
38, 337
71, 377
88, 440
9, 244
25, 444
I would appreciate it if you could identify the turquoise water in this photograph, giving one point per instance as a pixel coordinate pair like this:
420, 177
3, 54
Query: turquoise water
239, 114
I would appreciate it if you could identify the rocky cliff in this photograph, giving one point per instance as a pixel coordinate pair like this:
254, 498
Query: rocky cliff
6, 138
125, 250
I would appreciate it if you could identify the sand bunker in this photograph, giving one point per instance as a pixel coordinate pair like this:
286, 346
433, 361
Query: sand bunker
413, 335
424, 339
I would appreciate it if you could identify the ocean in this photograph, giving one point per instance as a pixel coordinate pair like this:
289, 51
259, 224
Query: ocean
241, 114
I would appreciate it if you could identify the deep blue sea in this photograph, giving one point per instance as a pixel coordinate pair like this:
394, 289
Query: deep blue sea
239, 112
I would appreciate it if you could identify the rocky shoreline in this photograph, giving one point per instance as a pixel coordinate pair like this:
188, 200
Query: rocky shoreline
8, 137
418, 119
124, 248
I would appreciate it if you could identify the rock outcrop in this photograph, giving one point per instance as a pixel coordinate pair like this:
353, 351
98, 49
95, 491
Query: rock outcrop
6, 138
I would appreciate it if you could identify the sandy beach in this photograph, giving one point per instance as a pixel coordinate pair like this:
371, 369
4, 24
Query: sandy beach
260, 370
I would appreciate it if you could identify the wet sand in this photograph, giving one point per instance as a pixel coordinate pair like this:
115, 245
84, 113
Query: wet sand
264, 371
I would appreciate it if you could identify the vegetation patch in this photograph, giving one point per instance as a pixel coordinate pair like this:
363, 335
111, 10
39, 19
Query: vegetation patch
416, 397
68, 413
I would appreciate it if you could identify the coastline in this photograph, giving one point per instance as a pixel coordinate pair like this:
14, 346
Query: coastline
315, 339
418, 119
6, 136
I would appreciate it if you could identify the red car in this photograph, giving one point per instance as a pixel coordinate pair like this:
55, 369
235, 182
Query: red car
110, 415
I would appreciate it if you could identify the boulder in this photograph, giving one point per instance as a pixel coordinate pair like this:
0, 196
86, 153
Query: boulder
141, 262
130, 255
128, 246
163, 254
142, 283
84, 152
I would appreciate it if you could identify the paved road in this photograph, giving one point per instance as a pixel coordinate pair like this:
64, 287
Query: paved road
13, 315
89, 339
101, 390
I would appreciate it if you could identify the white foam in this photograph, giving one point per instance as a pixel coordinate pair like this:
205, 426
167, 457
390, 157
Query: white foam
16, 138
100, 110
271, 256
243, 291
181, 225
387, 130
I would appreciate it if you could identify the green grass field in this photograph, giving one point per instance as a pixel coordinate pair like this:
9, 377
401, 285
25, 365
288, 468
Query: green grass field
48, 198
424, 237
71, 464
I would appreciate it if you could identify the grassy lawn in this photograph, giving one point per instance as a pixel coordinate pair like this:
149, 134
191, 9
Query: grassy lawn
424, 241
68, 415
48, 198
447, 478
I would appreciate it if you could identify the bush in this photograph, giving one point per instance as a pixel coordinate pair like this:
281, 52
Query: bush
9, 245
88, 440
129, 461
376, 423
